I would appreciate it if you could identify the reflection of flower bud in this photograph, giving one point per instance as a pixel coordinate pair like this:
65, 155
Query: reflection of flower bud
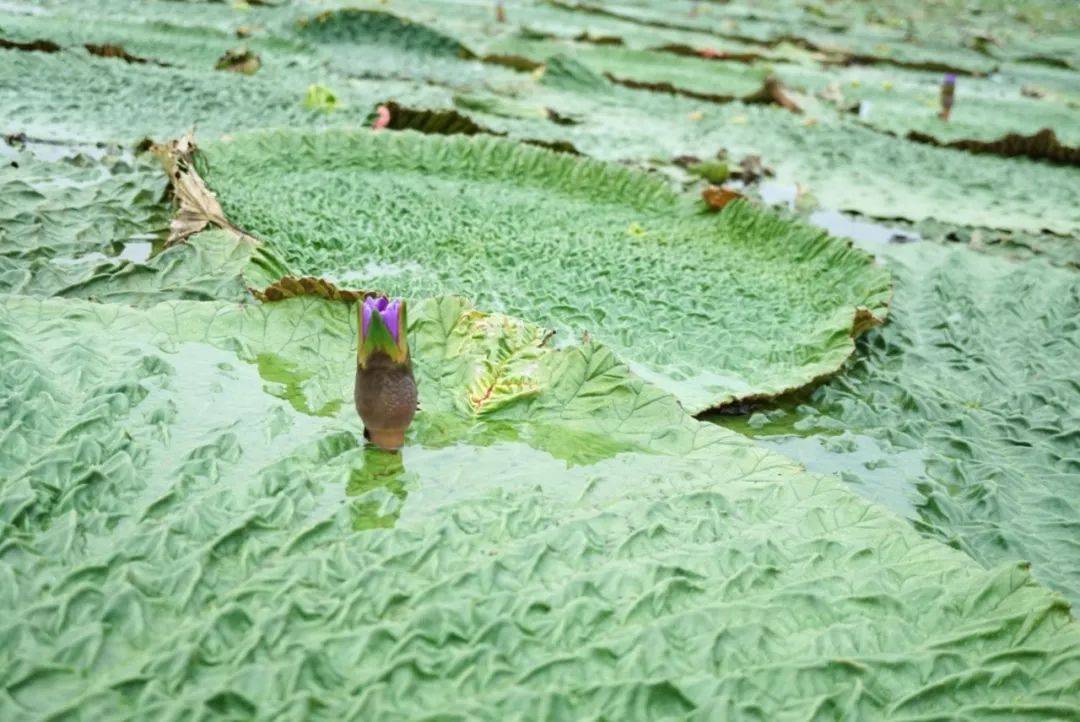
385, 391
948, 93
500, 12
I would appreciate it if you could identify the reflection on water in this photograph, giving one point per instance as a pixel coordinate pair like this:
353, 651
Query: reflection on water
384, 488
287, 382
449, 458
574, 446
473, 459
878, 471
779, 194
136, 251
377, 489
789, 416
866, 234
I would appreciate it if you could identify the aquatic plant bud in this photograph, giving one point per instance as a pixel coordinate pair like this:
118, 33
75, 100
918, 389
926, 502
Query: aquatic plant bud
948, 93
500, 12
385, 392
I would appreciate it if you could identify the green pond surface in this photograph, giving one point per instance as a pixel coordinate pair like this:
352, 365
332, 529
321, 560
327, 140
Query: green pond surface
814, 456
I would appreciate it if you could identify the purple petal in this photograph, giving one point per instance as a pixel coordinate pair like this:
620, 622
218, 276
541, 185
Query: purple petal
950, 79
390, 316
381, 303
370, 306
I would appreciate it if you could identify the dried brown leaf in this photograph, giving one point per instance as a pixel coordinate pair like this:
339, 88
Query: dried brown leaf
198, 207
716, 197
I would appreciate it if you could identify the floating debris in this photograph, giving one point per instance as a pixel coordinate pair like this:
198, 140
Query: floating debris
716, 197
239, 60
320, 97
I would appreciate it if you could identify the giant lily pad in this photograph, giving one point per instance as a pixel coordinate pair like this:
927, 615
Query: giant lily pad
92, 225
712, 309
76, 97
985, 110
61, 215
369, 57
695, 77
912, 35
966, 405
190, 36
193, 527
364, 42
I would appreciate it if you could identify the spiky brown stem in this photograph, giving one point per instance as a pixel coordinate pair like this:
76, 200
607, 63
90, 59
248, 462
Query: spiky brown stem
385, 396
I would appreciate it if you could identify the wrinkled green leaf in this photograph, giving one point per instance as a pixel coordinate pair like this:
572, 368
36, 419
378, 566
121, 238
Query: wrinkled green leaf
192, 529
92, 225
195, 529
962, 412
712, 310
63, 213
89, 99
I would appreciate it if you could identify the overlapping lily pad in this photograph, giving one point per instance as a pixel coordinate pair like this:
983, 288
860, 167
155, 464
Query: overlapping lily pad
181, 539
713, 309
720, 82
92, 224
898, 34
77, 97
64, 214
966, 405
192, 526
907, 104
193, 36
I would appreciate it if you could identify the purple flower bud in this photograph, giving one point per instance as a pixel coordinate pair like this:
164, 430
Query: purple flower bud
388, 310
385, 391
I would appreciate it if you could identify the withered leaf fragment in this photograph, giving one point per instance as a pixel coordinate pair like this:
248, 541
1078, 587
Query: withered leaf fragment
239, 60
716, 197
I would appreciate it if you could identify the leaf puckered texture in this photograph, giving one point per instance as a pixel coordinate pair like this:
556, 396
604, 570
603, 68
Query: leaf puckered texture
713, 309
183, 491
